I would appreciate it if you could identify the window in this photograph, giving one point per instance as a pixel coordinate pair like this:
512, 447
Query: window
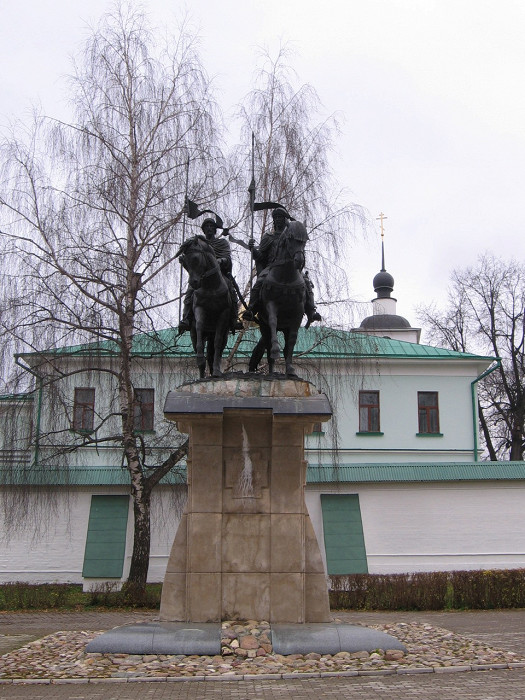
369, 412
144, 409
428, 412
84, 409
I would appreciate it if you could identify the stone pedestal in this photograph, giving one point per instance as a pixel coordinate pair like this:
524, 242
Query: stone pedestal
245, 547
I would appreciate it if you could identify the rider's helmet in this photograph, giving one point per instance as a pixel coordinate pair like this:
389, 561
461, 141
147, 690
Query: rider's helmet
209, 220
280, 211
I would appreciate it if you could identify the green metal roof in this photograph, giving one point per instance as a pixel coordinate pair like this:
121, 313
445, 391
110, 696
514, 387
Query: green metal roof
443, 471
316, 474
18, 397
331, 343
318, 342
77, 476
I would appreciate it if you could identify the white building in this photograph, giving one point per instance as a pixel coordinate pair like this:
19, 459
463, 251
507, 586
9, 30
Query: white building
395, 483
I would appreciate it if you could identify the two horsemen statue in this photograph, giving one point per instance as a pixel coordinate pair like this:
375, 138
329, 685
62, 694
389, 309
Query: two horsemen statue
280, 297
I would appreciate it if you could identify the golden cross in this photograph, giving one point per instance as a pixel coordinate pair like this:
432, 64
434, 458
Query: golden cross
382, 217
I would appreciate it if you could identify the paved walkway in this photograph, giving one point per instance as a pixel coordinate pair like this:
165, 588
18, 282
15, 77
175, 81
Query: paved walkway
503, 629
474, 685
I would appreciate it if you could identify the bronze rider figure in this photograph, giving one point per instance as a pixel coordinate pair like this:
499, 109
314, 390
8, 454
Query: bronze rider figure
222, 251
264, 255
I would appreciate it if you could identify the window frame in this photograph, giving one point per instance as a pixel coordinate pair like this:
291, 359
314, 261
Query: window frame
428, 414
83, 410
367, 427
144, 411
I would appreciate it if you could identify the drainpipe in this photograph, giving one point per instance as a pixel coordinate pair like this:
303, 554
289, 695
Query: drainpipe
475, 404
39, 407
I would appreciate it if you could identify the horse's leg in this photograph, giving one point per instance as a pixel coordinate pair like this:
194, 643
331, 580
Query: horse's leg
257, 354
271, 310
198, 312
289, 346
210, 354
221, 335
286, 353
266, 336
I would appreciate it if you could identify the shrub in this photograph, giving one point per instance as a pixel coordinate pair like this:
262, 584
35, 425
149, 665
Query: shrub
26, 596
108, 595
437, 590
48, 596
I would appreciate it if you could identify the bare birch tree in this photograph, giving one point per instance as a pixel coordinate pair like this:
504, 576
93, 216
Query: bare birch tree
92, 217
294, 144
485, 313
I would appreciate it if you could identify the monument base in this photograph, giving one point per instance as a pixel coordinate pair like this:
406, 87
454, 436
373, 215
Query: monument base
205, 639
245, 548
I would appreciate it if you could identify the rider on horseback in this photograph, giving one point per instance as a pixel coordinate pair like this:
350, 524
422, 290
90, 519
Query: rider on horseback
267, 253
222, 251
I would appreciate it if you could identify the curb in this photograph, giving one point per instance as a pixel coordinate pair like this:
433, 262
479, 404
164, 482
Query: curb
267, 676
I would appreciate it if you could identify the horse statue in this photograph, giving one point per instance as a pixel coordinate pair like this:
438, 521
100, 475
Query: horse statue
212, 303
282, 299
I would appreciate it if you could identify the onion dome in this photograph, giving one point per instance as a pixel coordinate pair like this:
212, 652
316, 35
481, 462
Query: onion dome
383, 284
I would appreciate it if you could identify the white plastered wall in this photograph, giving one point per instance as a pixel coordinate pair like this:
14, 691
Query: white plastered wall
49, 548
399, 384
436, 526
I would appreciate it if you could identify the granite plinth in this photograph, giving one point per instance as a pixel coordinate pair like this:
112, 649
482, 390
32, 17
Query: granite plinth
159, 638
281, 397
245, 547
330, 639
205, 639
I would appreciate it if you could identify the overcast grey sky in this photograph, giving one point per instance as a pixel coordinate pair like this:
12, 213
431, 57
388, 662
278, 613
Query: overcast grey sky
431, 92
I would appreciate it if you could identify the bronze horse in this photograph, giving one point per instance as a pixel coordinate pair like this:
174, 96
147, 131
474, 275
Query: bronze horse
283, 295
212, 303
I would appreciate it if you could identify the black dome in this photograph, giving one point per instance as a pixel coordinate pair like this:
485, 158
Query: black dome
383, 284
384, 322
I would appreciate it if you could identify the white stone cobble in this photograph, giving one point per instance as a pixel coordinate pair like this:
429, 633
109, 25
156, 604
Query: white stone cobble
247, 654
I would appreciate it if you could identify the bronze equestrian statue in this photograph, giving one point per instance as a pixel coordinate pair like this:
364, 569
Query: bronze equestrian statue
222, 251
210, 304
282, 293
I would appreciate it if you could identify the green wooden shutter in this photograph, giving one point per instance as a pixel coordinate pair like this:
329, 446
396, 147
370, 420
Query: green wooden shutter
106, 537
343, 534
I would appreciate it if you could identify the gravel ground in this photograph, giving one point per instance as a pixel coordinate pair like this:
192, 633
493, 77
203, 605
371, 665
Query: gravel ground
430, 648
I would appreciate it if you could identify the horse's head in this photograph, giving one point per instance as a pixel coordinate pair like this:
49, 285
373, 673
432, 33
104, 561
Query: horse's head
197, 256
299, 259
297, 231
191, 244
292, 242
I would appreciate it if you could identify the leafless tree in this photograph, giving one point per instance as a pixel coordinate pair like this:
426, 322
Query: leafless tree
294, 143
92, 218
485, 313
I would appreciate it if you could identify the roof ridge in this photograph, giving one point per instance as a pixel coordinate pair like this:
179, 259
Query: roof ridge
316, 342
